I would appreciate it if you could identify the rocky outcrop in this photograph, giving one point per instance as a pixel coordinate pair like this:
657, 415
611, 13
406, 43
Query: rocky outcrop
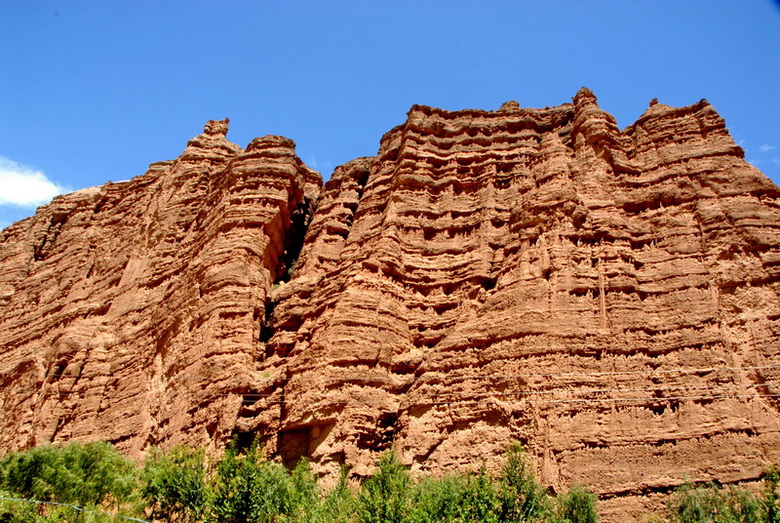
131, 312
609, 298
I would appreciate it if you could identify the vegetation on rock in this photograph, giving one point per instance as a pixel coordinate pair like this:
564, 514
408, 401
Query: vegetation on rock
93, 483
713, 504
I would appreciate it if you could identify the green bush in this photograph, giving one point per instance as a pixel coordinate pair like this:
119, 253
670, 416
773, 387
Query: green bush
482, 501
180, 485
522, 498
439, 500
173, 484
478, 497
577, 506
695, 504
338, 505
709, 503
384, 497
769, 504
250, 489
16, 512
87, 475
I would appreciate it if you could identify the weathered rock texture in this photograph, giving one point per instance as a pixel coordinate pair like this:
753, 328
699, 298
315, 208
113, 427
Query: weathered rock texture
131, 312
609, 298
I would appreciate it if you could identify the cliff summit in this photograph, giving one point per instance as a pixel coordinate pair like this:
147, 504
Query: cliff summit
607, 298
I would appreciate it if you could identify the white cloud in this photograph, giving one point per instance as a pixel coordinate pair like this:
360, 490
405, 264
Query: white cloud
24, 186
766, 148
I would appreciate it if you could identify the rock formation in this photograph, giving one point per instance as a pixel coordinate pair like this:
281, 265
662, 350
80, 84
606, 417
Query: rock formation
131, 312
608, 298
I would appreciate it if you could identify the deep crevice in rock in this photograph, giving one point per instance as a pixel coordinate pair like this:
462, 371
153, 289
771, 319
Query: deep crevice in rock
293, 241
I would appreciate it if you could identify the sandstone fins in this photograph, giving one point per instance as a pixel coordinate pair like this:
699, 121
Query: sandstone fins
608, 298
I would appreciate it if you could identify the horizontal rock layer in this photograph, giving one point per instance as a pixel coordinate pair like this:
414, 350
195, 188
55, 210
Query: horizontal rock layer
131, 312
608, 298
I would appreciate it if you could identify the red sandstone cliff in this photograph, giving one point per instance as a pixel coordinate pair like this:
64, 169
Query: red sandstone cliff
609, 298
131, 312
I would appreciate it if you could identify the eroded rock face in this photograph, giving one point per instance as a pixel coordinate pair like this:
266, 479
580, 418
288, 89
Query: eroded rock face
608, 298
131, 312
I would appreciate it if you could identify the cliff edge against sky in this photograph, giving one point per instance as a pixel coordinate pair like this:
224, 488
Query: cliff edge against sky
608, 298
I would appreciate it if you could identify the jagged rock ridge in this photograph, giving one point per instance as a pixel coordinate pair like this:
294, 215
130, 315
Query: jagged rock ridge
607, 297
131, 312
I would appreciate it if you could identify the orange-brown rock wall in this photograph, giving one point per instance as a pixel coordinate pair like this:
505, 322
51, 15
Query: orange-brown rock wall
608, 298
131, 312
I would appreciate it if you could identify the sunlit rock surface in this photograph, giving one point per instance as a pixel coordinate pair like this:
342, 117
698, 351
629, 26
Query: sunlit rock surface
609, 298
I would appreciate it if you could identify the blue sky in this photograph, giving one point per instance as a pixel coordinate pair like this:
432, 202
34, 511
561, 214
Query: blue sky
94, 91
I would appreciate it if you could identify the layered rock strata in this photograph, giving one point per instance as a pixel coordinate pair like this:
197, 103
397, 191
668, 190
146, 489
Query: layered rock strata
131, 312
608, 298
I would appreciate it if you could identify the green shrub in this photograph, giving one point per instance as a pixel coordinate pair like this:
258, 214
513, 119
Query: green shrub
522, 498
250, 489
483, 500
742, 505
441, 499
304, 486
338, 505
384, 497
577, 506
89, 474
695, 504
513, 496
16, 512
769, 504
690, 504
23, 473
235, 495
173, 484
